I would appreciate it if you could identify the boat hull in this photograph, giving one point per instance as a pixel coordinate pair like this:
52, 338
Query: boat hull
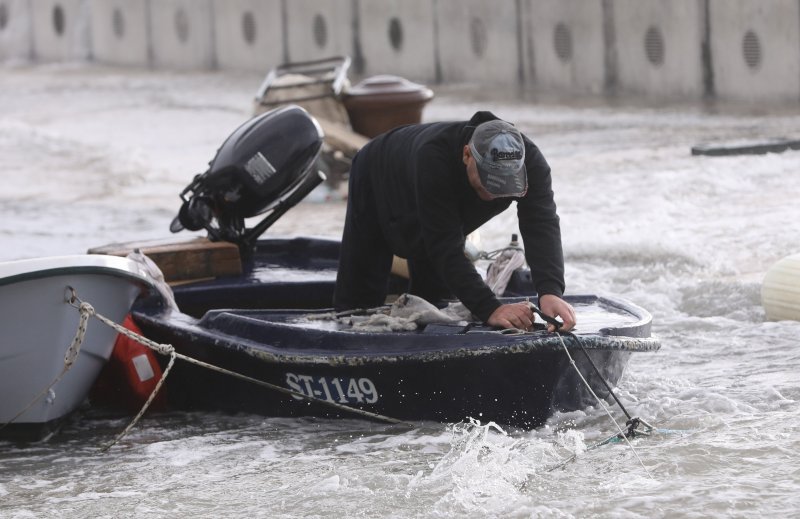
241, 323
448, 377
39, 326
516, 389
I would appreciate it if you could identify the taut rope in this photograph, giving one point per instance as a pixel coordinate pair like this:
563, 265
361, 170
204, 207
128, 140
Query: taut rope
167, 349
632, 423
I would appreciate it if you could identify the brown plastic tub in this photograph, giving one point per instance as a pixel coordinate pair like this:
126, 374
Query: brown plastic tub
380, 103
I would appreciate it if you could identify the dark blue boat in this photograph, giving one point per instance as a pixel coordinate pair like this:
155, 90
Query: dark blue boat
266, 323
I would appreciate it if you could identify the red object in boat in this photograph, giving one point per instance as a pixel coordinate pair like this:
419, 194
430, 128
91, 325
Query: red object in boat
130, 376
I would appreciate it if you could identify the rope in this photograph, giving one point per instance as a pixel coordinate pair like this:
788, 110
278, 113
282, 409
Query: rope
88, 310
605, 382
145, 406
590, 448
632, 423
167, 349
85, 310
70, 356
605, 408
558, 324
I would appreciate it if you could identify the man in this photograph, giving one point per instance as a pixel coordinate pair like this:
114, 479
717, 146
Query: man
417, 191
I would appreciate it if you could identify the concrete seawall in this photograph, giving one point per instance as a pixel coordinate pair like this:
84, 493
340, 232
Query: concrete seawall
739, 50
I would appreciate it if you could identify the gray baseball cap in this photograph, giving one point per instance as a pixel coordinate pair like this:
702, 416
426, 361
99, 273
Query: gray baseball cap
499, 153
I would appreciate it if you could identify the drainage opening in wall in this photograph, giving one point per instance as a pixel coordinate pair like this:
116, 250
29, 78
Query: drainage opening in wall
118, 23
249, 28
562, 42
478, 36
320, 31
395, 33
181, 25
654, 45
3, 16
751, 49
58, 19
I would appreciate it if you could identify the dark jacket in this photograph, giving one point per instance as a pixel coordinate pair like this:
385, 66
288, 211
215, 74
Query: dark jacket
426, 207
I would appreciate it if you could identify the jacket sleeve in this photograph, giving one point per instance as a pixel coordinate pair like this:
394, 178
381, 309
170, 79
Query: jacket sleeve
443, 234
539, 226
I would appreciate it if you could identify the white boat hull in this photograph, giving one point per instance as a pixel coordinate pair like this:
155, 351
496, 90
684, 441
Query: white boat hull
38, 326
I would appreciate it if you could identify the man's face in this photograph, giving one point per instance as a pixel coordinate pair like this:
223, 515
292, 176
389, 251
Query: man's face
474, 178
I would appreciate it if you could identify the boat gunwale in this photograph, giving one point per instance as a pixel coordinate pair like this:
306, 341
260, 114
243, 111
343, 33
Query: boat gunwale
91, 264
492, 342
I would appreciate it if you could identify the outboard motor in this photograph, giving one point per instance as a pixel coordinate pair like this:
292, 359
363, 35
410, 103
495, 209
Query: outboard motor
266, 164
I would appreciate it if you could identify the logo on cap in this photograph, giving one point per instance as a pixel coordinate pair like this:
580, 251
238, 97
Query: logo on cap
506, 155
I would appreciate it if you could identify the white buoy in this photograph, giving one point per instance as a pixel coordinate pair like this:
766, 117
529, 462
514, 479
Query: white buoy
780, 291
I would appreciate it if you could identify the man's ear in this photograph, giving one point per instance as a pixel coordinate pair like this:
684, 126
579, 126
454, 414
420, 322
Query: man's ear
466, 154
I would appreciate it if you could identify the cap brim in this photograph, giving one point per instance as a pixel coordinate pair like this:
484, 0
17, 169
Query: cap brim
504, 183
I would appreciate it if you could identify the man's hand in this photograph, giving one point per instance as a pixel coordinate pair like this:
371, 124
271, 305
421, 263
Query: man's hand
554, 306
520, 315
514, 315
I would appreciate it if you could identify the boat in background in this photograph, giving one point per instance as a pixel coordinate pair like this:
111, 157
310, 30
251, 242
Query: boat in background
269, 318
38, 326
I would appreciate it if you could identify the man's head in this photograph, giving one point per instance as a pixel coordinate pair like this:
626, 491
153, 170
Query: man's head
498, 151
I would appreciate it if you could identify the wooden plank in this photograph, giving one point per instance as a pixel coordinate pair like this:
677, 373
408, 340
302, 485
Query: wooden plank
184, 260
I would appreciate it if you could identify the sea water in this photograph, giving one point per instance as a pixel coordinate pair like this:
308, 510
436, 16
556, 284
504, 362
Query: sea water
94, 155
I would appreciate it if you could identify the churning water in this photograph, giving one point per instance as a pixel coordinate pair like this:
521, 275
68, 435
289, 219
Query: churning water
90, 156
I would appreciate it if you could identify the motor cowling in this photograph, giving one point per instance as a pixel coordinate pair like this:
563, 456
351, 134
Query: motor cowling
259, 164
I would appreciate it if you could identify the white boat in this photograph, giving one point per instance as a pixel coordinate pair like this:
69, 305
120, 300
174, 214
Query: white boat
38, 325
